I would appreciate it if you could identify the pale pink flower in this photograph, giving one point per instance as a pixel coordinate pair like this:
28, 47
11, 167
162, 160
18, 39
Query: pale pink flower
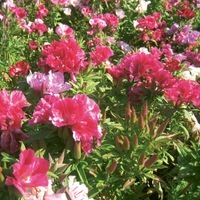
52, 83
64, 30
76, 190
67, 11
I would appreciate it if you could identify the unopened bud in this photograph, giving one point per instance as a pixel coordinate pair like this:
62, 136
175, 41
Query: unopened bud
133, 115
77, 150
119, 144
65, 133
145, 110
112, 167
1, 176
141, 121
135, 142
152, 125
128, 111
150, 161
142, 159
162, 127
126, 143
42, 143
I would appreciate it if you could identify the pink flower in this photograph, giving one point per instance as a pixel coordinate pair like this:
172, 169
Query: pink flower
21, 68
33, 45
19, 12
64, 56
65, 31
52, 83
11, 113
43, 111
42, 11
101, 54
137, 66
29, 173
183, 92
81, 114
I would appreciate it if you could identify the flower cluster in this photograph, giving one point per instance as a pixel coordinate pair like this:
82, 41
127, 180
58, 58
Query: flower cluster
63, 56
11, 116
79, 113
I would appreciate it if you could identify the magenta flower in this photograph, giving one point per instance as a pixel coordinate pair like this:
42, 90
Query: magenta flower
43, 110
137, 66
184, 92
101, 54
21, 68
30, 172
11, 113
64, 56
81, 114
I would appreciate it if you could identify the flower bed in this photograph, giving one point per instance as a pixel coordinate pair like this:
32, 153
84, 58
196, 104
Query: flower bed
99, 99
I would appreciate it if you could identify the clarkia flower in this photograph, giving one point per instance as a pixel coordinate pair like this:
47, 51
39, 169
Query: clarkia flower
29, 173
11, 112
80, 113
64, 56
101, 54
21, 68
52, 83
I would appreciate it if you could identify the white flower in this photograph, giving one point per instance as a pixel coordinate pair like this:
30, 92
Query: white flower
142, 6
191, 73
196, 126
76, 190
143, 50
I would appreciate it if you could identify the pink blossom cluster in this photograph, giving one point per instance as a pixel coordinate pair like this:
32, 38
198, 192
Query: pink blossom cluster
183, 35
63, 56
145, 70
80, 113
100, 54
152, 28
11, 116
102, 21
21, 15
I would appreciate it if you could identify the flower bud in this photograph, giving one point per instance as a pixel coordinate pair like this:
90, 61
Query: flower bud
151, 160
65, 133
77, 150
1, 176
112, 167
135, 142
145, 110
142, 159
152, 125
133, 115
162, 127
128, 111
42, 143
126, 143
119, 144
141, 121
